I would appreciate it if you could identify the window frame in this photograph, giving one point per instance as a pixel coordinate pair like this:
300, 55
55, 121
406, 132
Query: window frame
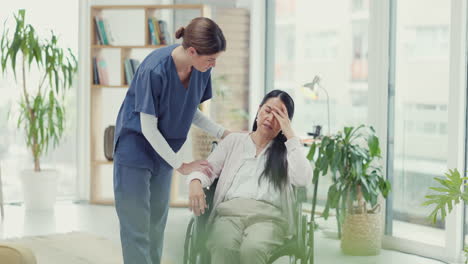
381, 82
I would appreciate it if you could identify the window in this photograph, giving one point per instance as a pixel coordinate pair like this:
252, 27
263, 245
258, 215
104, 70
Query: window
322, 45
329, 39
332, 44
14, 156
420, 122
426, 41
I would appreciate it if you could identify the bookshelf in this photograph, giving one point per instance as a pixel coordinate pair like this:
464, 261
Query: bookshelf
101, 187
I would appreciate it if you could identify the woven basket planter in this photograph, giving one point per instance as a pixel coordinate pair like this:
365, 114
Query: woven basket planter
362, 233
202, 143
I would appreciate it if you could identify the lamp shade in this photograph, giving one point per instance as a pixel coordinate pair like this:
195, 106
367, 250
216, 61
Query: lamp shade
310, 88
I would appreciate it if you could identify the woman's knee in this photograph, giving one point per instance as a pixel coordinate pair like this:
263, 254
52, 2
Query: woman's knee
220, 241
253, 252
226, 234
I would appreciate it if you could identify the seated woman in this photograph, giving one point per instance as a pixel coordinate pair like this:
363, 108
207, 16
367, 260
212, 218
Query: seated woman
253, 199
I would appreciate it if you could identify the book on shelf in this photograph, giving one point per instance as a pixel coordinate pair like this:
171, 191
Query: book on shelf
158, 31
128, 71
135, 64
110, 37
98, 37
101, 73
152, 32
103, 32
95, 71
130, 66
164, 34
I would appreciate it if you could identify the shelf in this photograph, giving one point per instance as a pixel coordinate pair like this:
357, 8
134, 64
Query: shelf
102, 162
100, 167
102, 201
97, 7
95, 46
97, 86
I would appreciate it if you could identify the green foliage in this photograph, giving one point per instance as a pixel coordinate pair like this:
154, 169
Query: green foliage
42, 110
466, 254
449, 194
350, 157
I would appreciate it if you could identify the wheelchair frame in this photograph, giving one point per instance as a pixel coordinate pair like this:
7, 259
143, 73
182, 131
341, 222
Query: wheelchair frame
299, 248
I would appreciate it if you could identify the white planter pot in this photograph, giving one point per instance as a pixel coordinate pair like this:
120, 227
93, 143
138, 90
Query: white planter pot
39, 189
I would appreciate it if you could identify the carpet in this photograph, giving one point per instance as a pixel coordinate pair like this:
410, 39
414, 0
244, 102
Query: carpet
72, 248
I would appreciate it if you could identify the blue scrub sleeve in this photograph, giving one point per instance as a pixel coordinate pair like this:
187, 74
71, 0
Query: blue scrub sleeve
148, 87
207, 94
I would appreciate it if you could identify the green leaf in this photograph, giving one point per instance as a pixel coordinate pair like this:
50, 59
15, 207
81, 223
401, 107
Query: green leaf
347, 132
373, 144
310, 155
429, 202
326, 211
439, 189
364, 182
447, 196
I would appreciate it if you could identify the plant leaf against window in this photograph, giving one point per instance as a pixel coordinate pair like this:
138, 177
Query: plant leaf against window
447, 195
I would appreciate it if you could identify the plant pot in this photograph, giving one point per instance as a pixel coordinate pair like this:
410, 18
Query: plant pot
362, 234
39, 189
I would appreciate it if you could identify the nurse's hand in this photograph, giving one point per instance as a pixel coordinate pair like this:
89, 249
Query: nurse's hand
197, 198
198, 165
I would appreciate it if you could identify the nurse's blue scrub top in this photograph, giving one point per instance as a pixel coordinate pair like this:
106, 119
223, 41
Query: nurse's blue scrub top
156, 89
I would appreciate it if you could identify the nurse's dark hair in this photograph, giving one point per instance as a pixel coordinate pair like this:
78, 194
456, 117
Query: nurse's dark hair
276, 166
204, 35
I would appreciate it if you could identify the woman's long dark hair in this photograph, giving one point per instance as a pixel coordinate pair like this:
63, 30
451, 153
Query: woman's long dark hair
276, 166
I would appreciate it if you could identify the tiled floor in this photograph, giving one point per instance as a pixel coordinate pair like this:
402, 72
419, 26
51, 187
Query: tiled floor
102, 221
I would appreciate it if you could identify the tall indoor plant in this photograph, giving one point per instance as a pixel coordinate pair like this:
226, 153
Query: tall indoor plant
41, 106
351, 158
449, 193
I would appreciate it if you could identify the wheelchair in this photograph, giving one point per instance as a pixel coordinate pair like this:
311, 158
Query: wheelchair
299, 248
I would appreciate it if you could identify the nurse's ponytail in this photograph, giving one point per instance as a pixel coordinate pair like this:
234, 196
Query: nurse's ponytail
179, 33
204, 35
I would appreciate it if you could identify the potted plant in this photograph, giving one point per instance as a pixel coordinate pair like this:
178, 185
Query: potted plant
446, 195
41, 106
351, 158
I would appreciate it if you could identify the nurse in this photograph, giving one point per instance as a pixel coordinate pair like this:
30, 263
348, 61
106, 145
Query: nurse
152, 125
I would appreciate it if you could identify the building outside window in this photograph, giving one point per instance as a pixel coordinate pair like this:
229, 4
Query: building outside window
421, 117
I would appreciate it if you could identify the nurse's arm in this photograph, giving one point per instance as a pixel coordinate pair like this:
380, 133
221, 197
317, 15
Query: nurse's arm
157, 141
203, 122
217, 160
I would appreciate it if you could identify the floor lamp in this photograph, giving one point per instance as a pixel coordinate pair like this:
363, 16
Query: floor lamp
313, 86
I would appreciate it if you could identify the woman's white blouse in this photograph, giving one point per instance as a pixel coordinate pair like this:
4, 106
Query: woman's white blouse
246, 180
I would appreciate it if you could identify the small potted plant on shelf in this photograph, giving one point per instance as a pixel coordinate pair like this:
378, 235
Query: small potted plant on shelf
351, 157
41, 103
449, 193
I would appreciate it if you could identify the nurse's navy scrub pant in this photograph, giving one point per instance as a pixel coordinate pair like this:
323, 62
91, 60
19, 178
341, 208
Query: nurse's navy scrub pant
142, 203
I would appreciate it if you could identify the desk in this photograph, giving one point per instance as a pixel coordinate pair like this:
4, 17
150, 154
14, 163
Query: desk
307, 142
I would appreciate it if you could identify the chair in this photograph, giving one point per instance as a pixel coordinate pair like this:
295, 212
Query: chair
16, 254
299, 248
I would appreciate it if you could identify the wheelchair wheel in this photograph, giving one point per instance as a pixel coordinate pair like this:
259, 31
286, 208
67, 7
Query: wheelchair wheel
190, 253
